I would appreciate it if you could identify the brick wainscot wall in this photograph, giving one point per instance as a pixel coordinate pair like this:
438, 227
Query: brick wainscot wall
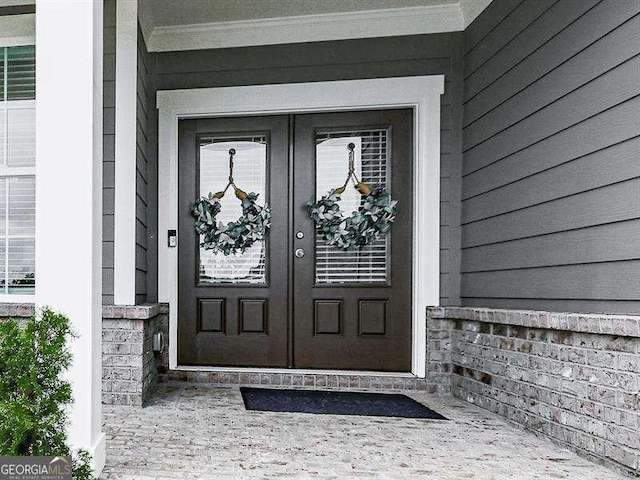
572, 377
130, 367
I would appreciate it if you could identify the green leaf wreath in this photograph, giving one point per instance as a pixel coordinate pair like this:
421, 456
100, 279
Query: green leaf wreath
234, 237
371, 221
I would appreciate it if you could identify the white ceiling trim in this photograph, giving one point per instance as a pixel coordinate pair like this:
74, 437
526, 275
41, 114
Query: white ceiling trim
309, 28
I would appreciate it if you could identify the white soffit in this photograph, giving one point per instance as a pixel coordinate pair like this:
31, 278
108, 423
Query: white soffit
446, 17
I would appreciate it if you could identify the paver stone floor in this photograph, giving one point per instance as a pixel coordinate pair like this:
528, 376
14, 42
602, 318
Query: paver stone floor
191, 431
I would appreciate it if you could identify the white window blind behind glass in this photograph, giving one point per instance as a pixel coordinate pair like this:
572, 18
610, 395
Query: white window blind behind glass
249, 173
367, 264
17, 169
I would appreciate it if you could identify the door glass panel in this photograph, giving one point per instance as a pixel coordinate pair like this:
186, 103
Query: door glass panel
249, 173
369, 264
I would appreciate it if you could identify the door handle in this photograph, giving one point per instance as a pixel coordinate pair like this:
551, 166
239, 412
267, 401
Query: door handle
299, 253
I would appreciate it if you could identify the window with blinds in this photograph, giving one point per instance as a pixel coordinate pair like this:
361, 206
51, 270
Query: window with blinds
250, 174
17, 169
368, 264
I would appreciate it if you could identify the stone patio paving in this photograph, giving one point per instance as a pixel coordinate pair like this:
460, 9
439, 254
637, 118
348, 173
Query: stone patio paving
198, 432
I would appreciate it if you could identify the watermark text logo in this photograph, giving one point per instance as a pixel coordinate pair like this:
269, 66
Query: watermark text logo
35, 468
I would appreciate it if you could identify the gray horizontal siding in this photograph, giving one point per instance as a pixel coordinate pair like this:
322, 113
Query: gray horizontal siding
344, 60
473, 36
609, 90
512, 77
594, 244
254, 61
307, 73
144, 104
551, 179
143, 107
601, 131
610, 165
592, 281
612, 50
108, 155
503, 38
613, 203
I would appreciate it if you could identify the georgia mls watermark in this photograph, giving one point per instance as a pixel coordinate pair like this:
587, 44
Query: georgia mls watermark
35, 468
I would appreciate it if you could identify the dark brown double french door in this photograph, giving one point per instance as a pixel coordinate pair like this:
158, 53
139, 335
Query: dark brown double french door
292, 300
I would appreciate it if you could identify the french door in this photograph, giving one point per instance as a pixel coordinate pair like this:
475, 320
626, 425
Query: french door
292, 300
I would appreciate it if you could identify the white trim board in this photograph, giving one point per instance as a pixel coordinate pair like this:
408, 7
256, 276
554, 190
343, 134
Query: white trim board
420, 93
17, 298
385, 22
124, 220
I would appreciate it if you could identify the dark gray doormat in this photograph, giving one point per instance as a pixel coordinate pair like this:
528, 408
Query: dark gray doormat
335, 403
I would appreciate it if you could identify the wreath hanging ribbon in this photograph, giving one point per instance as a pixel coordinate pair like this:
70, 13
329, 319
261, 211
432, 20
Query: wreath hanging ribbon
233, 237
371, 221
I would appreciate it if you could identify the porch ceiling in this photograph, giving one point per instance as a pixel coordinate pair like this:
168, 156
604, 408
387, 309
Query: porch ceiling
170, 25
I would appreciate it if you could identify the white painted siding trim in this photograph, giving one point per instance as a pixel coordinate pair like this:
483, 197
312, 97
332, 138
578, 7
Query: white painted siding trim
69, 197
16, 298
384, 22
17, 30
124, 248
420, 93
309, 28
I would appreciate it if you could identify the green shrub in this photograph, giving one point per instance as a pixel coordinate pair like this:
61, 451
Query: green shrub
33, 394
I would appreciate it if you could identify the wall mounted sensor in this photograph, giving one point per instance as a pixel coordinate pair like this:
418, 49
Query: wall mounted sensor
172, 238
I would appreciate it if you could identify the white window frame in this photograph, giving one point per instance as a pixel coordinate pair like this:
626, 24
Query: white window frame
421, 93
16, 31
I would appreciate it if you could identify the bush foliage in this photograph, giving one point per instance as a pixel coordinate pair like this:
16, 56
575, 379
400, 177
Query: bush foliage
33, 395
